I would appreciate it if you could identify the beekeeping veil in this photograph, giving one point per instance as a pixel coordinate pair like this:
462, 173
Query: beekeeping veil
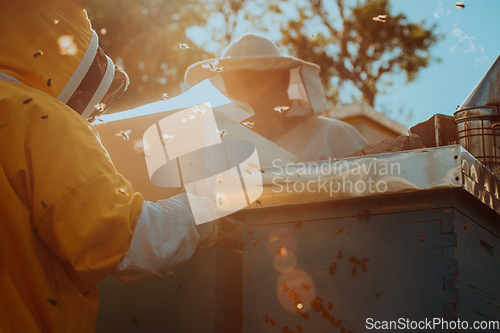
50, 46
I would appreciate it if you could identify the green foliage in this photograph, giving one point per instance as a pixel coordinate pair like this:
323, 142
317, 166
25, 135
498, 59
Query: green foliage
352, 47
143, 37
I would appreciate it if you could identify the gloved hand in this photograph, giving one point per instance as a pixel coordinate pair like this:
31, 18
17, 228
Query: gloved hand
209, 231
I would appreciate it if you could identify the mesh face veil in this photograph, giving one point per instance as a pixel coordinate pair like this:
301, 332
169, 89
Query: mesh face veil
102, 85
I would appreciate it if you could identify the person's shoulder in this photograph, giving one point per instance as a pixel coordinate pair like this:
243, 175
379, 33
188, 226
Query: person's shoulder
29, 106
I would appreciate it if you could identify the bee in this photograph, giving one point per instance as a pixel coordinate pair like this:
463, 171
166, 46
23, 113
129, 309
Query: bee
170, 274
44, 204
343, 330
334, 265
363, 267
330, 305
52, 301
421, 239
365, 260
255, 242
282, 251
258, 202
210, 65
354, 260
305, 315
248, 124
179, 287
339, 231
280, 109
339, 255
99, 119
165, 96
266, 318
226, 283
249, 232
465, 226
44, 116
290, 294
299, 328
306, 287
216, 288
326, 314
183, 46
366, 214
86, 293
199, 110
122, 191
298, 174
222, 133
331, 270
272, 321
166, 137
285, 288
262, 171
338, 323
157, 274
49, 82
124, 134
354, 271
37, 54
100, 107
217, 69
380, 18
189, 118
27, 101
134, 320
377, 295
460, 5
248, 171
297, 225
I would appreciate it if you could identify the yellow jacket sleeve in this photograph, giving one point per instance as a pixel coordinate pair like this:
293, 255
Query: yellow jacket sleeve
82, 208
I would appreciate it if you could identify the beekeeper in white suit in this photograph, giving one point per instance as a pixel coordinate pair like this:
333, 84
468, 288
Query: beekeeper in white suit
285, 94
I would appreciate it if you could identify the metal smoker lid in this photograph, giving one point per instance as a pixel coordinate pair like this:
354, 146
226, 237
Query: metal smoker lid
487, 91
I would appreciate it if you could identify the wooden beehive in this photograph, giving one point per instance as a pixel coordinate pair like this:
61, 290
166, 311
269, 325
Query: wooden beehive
427, 254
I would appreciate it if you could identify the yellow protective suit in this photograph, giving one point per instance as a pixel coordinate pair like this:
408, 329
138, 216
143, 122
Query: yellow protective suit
66, 215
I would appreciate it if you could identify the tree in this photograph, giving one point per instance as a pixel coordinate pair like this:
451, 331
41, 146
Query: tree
144, 38
353, 46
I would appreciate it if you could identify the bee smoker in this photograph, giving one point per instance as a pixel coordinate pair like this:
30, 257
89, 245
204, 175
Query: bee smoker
477, 120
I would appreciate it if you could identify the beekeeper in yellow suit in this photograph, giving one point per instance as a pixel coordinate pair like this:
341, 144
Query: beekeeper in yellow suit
67, 218
284, 93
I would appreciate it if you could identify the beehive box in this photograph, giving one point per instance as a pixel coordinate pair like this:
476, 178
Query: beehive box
432, 255
328, 266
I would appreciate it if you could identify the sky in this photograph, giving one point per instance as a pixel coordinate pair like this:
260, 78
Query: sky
470, 45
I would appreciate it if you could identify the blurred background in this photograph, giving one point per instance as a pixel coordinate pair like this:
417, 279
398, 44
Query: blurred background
407, 59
